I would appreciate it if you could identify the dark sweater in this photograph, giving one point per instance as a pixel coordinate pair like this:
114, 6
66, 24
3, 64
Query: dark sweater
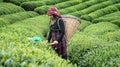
55, 28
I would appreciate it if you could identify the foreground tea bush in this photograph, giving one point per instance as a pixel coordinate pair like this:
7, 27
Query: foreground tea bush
83, 25
113, 36
81, 44
15, 55
107, 55
17, 50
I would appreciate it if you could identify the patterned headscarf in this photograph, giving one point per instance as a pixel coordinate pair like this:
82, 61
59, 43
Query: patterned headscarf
53, 10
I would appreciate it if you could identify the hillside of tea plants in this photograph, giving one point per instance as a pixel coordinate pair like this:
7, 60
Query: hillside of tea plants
96, 42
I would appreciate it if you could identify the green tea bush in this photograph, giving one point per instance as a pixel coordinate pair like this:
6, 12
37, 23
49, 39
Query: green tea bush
87, 17
115, 1
90, 3
8, 8
80, 6
117, 22
109, 17
106, 55
28, 55
104, 11
42, 9
12, 18
25, 52
96, 7
53, 2
80, 45
100, 28
3, 22
31, 5
112, 36
83, 25
106, 19
118, 6
17, 2
112, 14
77, 13
67, 4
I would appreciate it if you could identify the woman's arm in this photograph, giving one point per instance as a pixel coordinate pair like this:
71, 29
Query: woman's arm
49, 36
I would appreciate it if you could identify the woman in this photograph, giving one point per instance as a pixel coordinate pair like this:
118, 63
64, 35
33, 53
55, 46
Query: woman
57, 31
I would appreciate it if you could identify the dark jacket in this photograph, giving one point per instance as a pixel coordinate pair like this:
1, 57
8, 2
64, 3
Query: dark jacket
58, 26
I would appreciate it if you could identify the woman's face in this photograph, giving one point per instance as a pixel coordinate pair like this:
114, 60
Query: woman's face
51, 16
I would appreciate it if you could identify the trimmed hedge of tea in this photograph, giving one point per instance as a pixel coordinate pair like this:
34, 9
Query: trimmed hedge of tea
31, 5
113, 17
22, 52
18, 2
107, 55
42, 9
83, 25
12, 18
96, 7
80, 6
67, 4
104, 11
100, 28
92, 50
80, 44
113, 36
8, 8
25, 55
117, 22
106, 19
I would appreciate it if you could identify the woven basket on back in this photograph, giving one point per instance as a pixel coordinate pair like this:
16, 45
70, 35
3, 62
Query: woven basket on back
71, 24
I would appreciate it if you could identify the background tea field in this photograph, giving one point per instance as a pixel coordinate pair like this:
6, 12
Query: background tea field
96, 43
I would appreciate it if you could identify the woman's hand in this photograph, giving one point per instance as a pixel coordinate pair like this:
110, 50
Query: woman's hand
55, 42
46, 41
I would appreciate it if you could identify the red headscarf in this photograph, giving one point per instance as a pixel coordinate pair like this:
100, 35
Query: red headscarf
53, 10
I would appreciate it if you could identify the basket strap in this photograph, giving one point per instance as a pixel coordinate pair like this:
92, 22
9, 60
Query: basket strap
58, 23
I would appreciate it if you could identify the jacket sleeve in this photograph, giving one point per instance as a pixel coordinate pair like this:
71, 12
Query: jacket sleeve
49, 36
62, 30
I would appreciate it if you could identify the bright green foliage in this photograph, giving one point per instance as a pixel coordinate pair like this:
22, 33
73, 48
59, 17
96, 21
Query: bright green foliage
83, 25
113, 18
12, 18
33, 4
18, 2
80, 45
80, 6
96, 43
113, 36
67, 4
8, 8
100, 28
107, 55
42, 9
17, 50
104, 11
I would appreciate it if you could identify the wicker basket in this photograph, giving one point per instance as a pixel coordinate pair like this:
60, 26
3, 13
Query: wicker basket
71, 24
